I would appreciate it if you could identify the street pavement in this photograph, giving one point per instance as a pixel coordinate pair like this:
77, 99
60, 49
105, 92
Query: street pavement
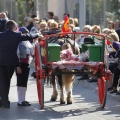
93, 85
85, 104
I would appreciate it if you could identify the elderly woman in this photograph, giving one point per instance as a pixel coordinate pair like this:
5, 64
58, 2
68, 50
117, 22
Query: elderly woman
116, 76
106, 31
52, 27
115, 46
76, 23
80, 41
71, 21
111, 25
96, 29
43, 27
28, 23
48, 22
3, 20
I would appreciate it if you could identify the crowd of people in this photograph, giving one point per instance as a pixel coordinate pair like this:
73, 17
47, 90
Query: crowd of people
19, 42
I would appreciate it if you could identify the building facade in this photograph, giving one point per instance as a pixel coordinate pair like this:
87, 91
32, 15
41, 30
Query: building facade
73, 7
59, 7
87, 11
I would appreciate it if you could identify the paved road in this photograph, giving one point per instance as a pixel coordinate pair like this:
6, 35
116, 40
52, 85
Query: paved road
85, 105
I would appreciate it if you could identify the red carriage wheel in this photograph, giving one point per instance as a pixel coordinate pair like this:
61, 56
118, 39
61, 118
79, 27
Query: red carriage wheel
102, 91
39, 81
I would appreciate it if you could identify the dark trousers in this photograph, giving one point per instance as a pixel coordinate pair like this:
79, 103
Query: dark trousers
22, 78
112, 66
116, 77
6, 73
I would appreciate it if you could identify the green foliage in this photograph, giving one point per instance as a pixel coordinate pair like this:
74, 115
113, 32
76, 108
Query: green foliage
24, 7
96, 10
115, 8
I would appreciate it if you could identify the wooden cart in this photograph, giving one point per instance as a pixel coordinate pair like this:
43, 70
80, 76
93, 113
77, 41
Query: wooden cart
43, 67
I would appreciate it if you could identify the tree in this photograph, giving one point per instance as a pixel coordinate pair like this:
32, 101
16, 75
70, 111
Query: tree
23, 8
96, 11
113, 9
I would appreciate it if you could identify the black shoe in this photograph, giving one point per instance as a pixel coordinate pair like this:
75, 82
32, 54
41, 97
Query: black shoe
24, 103
113, 91
117, 93
83, 78
109, 89
27, 102
92, 80
33, 74
7, 105
77, 75
4, 106
1, 103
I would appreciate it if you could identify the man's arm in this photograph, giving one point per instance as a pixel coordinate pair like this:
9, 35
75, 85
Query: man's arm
29, 37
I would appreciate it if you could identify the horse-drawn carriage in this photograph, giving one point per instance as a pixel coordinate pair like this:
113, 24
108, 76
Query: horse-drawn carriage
48, 63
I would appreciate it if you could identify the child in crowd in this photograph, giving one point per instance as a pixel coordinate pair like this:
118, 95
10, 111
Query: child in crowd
25, 51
